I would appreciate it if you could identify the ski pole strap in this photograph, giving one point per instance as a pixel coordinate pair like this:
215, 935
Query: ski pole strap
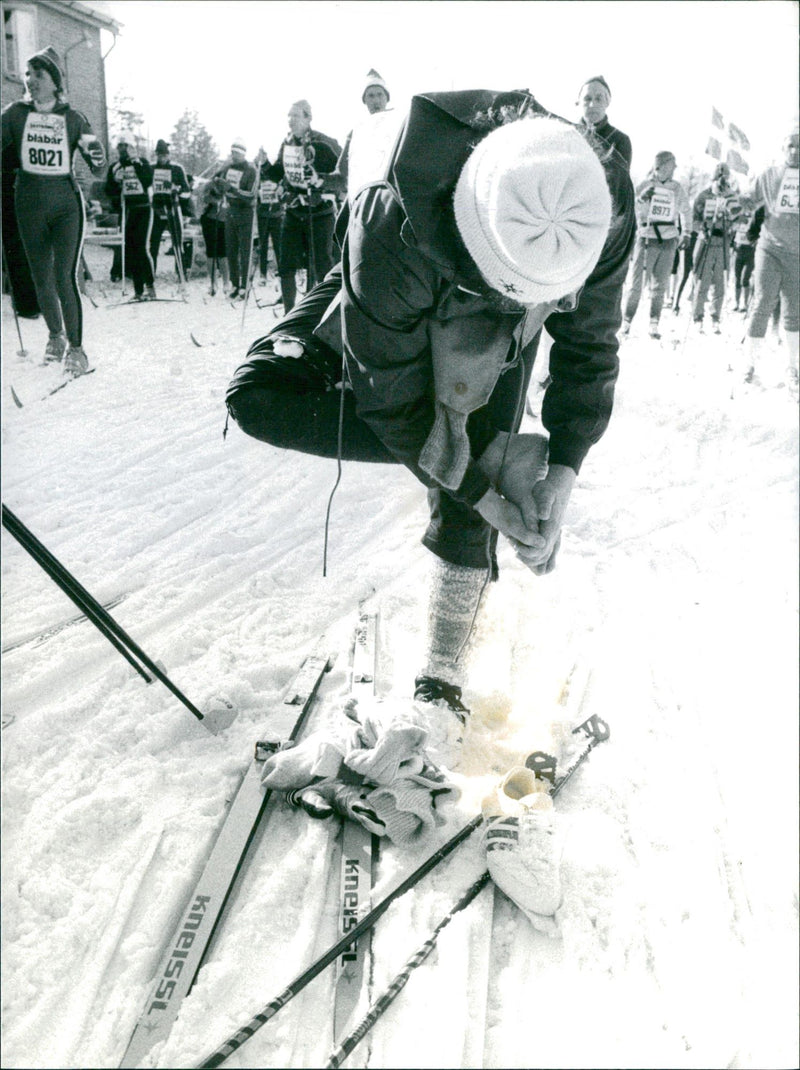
398, 984
218, 1057
90, 607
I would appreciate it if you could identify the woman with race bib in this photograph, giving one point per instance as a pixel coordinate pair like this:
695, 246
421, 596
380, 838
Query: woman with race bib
46, 131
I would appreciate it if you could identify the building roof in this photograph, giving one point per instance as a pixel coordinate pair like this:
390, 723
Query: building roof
94, 11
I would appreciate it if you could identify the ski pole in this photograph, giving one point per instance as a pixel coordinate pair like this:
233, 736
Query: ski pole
597, 731
398, 984
251, 271
94, 611
124, 237
218, 1057
173, 223
22, 351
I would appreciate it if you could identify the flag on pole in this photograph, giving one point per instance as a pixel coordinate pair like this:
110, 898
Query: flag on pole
728, 142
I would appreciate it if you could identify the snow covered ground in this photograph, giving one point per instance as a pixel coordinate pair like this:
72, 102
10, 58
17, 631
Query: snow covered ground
672, 615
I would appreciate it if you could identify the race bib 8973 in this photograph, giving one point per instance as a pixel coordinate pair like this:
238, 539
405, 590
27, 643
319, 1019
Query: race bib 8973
44, 149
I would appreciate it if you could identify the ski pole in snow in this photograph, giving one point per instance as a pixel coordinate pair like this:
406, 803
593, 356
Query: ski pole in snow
543, 765
124, 222
218, 1057
102, 619
22, 351
398, 984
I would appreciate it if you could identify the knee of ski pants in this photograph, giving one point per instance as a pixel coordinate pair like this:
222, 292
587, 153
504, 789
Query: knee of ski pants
458, 534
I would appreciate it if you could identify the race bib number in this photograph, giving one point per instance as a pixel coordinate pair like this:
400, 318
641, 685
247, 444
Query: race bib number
268, 192
234, 177
162, 181
787, 194
294, 158
131, 186
44, 149
714, 209
662, 206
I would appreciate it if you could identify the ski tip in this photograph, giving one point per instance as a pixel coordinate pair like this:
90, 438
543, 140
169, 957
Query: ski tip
198, 344
17, 402
219, 716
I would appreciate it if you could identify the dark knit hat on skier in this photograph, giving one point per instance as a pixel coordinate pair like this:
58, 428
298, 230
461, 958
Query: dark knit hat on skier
49, 60
162, 147
374, 80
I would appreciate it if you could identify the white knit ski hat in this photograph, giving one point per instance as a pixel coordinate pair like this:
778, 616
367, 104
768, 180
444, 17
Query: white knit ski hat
374, 79
239, 143
533, 208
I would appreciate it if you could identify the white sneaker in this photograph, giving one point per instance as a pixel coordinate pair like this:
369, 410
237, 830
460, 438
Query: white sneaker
523, 851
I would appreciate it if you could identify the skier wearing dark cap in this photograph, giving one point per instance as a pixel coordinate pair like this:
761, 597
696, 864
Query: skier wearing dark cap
171, 195
594, 99
40, 136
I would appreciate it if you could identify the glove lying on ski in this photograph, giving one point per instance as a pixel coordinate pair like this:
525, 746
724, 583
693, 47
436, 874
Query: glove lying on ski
523, 849
375, 774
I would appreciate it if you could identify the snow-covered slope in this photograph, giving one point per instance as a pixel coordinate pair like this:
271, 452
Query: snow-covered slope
672, 615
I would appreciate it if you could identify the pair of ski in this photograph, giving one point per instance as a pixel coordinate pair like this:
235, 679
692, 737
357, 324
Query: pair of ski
203, 913
186, 951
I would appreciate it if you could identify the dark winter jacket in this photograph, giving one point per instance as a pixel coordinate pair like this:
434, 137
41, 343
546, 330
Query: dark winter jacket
320, 152
170, 182
412, 300
237, 181
614, 138
40, 146
132, 178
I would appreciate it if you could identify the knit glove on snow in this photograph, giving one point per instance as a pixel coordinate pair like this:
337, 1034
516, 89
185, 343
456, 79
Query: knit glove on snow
376, 775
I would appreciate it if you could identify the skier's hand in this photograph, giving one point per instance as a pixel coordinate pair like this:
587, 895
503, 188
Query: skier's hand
507, 518
550, 497
311, 177
684, 241
514, 464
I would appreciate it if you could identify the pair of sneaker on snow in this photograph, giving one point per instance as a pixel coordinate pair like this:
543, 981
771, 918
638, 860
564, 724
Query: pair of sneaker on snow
523, 848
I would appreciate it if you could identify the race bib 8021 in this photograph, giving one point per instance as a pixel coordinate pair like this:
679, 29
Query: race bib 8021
44, 149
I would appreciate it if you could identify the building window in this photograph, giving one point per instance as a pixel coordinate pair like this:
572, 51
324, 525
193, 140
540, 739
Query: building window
19, 42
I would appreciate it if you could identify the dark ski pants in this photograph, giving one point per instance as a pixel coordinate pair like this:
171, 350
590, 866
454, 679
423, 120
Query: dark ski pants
15, 262
172, 223
51, 227
239, 246
297, 403
306, 242
138, 223
269, 227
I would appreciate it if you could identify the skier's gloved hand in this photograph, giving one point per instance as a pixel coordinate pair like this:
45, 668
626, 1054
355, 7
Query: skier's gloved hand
684, 241
311, 177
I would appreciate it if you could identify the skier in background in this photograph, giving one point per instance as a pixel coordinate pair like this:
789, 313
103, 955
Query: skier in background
131, 179
662, 210
237, 180
777, 260
40, 136
171, 194
593, 100
304, 157
270, 219
376, 99
715, 211
212, 223
744, 257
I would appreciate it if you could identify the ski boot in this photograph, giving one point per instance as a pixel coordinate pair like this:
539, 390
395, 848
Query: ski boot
56, 347
439, 710
76, 362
